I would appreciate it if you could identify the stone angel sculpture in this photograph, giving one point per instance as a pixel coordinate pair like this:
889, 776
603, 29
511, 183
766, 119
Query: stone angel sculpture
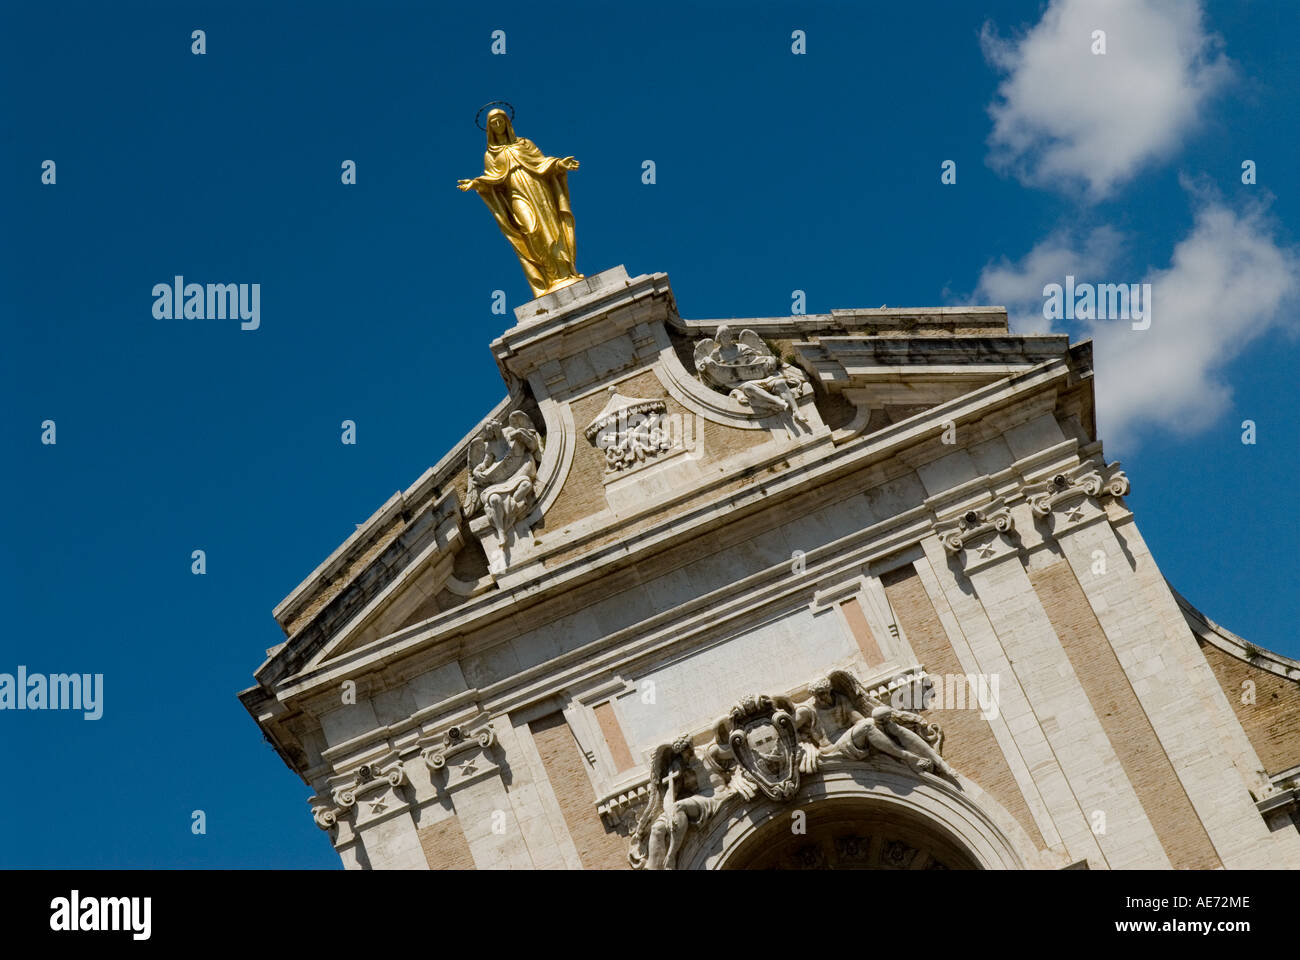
673, 807
503, 472
844, 720
750, 372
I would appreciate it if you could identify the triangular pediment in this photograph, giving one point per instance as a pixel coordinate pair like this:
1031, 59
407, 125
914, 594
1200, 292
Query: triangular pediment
628, 432
413, 559
866, 370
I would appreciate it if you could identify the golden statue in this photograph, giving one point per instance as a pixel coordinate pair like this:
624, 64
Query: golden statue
528, 194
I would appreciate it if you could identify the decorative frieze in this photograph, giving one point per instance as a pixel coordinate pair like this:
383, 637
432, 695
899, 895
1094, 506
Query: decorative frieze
764, 745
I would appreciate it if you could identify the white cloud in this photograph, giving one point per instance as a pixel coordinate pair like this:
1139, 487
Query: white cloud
1066, 117
1019, 286
1228, 283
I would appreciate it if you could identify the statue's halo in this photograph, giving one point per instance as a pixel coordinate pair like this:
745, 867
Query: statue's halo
488, 106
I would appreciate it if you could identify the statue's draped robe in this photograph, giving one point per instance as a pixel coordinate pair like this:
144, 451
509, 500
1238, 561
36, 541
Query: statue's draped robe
528, 194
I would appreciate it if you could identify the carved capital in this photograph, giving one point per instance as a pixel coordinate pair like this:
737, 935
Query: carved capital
1071, 498
326, 818
371, 787
463, 755
368, 794
972, 525
979, 536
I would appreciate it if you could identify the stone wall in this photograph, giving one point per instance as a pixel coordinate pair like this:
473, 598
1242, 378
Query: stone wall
1272, 720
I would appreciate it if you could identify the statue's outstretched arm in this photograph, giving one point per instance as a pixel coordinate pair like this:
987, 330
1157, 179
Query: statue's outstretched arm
483, 180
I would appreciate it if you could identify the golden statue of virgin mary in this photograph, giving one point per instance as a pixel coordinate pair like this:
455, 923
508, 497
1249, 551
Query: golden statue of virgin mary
528, 194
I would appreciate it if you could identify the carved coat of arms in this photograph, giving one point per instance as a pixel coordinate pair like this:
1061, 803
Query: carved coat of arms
761, 734
763, 745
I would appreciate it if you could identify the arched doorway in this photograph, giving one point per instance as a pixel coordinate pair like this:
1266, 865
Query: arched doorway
851, 833
863, 816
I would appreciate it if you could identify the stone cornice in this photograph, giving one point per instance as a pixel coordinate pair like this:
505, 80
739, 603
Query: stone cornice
883, 322
431, 532
841, 362
578, 317
426, 488
1233, 645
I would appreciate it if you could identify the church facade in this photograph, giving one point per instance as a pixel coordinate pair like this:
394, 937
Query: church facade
853, 590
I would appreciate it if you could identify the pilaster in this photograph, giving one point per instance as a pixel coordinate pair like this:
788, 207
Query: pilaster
1158, 662
981, 539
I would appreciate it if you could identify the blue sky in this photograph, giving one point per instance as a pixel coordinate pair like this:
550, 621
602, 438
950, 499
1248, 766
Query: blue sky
775, 172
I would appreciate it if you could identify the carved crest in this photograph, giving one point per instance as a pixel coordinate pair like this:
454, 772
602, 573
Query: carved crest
761, 734
763, 745
630, 430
